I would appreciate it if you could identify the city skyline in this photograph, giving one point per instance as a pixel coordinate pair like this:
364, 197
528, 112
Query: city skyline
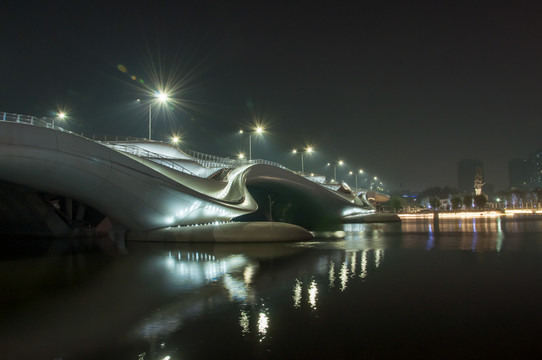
403, 91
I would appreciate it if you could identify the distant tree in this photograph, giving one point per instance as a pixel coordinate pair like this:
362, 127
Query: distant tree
467, 201
447, 191
516, 199
456, 202
434, 202
424, 202
436, 191
480, 201
538, 196
396, 203
430, 192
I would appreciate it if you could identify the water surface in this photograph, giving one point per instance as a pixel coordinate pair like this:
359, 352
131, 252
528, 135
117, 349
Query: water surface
465, 288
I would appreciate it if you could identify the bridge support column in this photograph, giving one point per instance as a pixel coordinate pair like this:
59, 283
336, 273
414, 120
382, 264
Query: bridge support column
118, 235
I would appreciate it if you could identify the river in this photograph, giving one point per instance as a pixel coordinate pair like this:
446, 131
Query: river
468, 288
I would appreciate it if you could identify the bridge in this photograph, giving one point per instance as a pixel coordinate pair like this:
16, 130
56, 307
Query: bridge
55, 182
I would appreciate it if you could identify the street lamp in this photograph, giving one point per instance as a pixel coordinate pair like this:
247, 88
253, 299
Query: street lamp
359, 172
60, 116
335, 163
308, 149
258, 131
175, 139
373, 182
161, 98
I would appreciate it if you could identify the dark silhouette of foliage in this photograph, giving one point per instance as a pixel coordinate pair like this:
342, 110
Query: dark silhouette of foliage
396, 203
434, 202
480, 201
467, 201
438, 192
456, 202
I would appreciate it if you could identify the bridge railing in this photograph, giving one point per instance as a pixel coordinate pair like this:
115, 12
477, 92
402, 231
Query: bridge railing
31, 120
217, 161
157, 158
205, 160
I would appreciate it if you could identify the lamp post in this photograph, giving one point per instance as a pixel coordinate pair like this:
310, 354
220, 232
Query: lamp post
258, 130
162, 98
360, 171
60, 116
335, 163
308, 149
373, 182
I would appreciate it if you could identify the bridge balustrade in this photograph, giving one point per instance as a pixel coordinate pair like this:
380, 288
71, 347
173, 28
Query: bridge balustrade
205, 160
157, 158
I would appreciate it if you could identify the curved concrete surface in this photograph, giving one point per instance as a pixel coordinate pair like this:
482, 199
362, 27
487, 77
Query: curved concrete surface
250, 232
132, 191
140, 195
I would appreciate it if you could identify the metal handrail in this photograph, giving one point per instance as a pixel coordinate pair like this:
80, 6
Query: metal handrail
157, 158
31, 120
205, 160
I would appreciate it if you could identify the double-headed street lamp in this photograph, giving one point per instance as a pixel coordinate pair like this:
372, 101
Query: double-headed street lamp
360, 171
335, 163
161, 98
375, 179
308, 150
258, 131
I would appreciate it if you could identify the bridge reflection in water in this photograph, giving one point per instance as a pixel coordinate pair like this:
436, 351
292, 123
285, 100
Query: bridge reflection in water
377, 289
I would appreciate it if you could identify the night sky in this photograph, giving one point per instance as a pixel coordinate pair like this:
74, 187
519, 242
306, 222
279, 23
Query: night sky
400, 89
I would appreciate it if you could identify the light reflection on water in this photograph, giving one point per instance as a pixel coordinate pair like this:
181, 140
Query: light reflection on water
216, 295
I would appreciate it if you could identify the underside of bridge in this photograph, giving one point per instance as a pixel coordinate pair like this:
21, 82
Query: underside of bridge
285, 201
27, 211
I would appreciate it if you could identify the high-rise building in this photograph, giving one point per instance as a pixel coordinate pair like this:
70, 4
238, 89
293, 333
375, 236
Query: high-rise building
466, 173
519, 174
526, 174
537, 170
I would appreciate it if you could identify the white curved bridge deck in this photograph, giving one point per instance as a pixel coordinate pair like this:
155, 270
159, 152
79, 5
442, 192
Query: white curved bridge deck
145, 186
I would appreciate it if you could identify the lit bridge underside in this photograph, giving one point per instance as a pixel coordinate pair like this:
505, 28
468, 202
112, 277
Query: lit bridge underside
66, 182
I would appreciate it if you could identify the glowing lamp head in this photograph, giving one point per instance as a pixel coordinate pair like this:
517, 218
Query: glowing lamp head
341, 162
162, 97
61, 115
259, 129
294, 151
309, 149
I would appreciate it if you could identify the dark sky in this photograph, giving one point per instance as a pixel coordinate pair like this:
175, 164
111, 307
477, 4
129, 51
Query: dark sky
401, 89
